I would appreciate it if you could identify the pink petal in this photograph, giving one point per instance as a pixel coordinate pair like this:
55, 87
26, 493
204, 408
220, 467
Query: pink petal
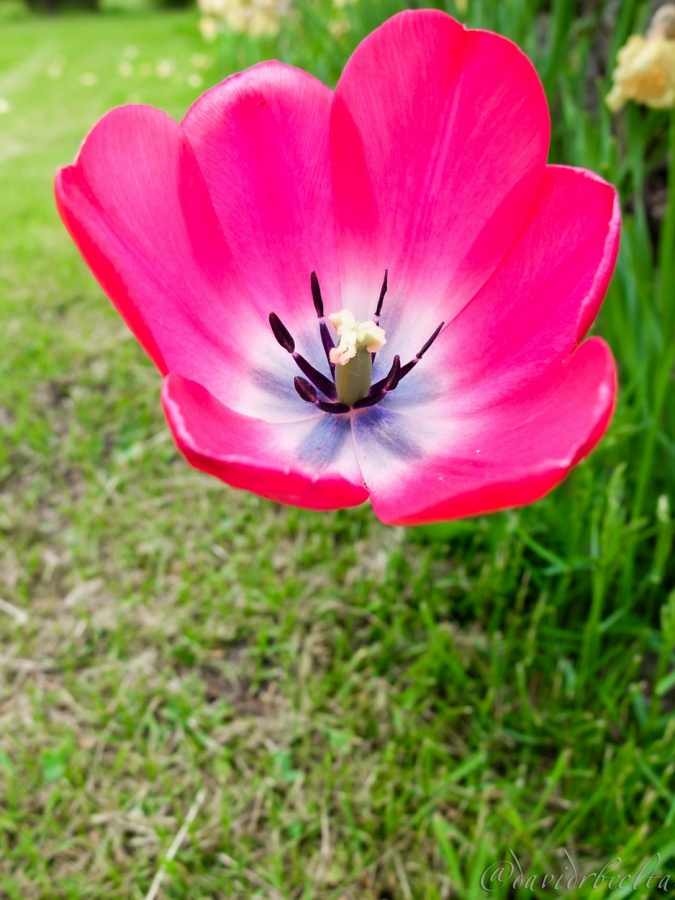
261, 139
137, 208
506, 455
439, 139
541, 301
309, 463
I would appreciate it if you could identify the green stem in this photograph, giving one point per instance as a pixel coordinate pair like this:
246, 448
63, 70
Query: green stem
667, 642
589, 650
666, 303
665, 294
667, 244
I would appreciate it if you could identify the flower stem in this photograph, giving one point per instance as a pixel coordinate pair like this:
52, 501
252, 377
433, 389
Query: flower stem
665, 297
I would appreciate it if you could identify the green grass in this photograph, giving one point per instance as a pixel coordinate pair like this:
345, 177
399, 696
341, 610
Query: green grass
370, 712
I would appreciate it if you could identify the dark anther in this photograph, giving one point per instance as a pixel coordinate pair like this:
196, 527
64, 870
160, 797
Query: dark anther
326, 338
316, 295
420, 353
308, 394
281, 333
305, 389
430, 341
394, 376
319, 380
382, 387
378, 309
383, 291
390, 380
325, 385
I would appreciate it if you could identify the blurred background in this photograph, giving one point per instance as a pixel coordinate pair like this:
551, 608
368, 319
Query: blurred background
329, 708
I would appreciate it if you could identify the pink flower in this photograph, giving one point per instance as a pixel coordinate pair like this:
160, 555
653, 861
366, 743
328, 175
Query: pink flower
427, 162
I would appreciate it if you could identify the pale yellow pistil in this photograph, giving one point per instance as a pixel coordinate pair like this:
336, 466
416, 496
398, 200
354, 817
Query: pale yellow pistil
352, 356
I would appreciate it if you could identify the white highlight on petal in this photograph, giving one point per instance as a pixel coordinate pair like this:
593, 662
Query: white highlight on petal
354, 336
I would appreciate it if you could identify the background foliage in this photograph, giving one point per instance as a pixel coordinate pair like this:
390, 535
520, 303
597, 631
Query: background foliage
371, 712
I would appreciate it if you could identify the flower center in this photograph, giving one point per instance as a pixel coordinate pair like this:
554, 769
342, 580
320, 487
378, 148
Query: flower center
353, 356
350, 362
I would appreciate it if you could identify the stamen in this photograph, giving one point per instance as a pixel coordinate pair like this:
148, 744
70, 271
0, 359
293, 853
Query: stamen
389, 383
324, 384
326, 338
305, 389
413, 362
316, 295
281, 333
384, 382
326, 406
308, 394
383, 291
285, 340
378, 310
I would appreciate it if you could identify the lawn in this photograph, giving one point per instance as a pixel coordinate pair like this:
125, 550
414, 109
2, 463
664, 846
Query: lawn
328, 708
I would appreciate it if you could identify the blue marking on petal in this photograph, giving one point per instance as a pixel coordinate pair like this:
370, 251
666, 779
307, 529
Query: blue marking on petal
417, 388
389, 432
277, 392
274, 383
325, 441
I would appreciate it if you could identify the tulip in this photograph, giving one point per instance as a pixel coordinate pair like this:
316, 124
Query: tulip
373, 293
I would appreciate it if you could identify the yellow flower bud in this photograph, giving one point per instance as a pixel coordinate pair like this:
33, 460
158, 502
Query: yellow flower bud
646, 66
